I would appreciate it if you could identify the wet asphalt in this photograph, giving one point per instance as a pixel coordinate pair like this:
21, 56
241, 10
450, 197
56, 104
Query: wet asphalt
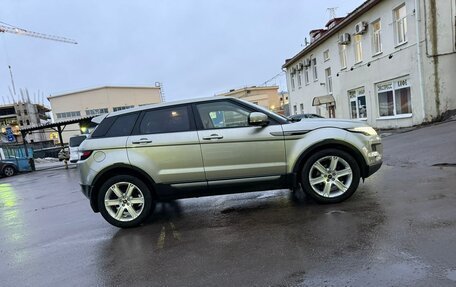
399, 229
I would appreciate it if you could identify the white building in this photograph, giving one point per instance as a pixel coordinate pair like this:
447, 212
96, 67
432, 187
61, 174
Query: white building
391, 63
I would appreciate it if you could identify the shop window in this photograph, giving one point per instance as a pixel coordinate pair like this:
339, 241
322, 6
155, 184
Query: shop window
394, 98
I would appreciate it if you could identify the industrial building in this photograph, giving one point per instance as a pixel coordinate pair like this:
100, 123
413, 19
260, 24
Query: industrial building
97, 101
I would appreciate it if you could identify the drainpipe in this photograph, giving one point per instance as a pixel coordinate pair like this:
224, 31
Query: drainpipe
419, 53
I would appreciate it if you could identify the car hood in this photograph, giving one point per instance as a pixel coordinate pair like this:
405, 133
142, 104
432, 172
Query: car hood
312, 124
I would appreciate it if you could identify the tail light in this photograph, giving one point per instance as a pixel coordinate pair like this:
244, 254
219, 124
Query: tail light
86, 154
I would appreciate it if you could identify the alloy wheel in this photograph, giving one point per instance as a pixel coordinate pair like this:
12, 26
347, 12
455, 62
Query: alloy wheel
330, 176
124, 201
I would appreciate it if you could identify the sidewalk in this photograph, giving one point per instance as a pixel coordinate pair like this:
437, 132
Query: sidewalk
49, 163
388, 132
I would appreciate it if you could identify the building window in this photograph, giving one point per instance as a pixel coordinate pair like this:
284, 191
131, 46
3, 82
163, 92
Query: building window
358, 49
299, 78
21, 123
115, 109
358, 108
295, 109
66, 115
306, 75
329, 87
326, 55
394, 98
400, 23
25, 112
376, 37
301, 107
343, 56
314, 69
94, 112
292, 80
27, 122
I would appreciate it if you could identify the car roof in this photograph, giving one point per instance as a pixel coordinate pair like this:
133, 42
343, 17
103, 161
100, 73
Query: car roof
166, 104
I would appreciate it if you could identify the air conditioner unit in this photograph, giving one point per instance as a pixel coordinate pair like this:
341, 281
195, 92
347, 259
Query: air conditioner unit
306, 62
344, 39
360, 28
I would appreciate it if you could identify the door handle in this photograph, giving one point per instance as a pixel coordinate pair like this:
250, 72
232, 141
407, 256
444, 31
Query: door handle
142, 141
213, 137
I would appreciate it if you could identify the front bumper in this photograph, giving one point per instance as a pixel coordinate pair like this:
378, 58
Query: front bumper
371, 169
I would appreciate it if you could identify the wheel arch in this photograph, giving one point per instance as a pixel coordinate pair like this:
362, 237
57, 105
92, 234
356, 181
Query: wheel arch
331, 144
118, 169
10, 165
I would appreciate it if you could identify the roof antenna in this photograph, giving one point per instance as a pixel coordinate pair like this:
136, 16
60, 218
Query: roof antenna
332, 12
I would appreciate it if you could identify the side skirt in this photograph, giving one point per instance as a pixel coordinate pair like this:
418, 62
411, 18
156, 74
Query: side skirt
228, 186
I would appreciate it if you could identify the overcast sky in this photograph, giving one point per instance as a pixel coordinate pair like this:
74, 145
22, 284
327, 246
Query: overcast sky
195, 48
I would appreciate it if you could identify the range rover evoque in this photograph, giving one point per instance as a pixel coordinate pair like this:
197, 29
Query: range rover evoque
218, 145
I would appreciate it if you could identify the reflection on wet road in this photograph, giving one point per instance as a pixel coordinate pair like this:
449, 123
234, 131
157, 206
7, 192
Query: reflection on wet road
397, 230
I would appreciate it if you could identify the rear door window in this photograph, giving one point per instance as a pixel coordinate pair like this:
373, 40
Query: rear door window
167, 120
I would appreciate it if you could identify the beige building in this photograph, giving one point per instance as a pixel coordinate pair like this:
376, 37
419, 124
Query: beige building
267, 97
97, 101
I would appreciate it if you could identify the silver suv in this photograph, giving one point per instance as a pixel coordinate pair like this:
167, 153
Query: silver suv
218, 145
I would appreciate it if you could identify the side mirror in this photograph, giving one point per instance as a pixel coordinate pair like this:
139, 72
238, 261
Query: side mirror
258, 119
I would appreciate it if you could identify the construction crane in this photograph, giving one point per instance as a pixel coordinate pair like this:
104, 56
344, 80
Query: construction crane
15, 30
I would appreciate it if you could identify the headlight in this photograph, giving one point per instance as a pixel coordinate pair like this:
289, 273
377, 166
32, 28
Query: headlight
367, 131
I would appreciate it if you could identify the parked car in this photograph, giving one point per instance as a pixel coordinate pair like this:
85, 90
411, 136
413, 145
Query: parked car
306, 116
218, 145
74, 144
8, 168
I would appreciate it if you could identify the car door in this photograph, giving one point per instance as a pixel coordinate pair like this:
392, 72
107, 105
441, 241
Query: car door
165, 144
232, 149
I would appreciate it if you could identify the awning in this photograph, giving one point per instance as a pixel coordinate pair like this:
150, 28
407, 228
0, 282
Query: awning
328, 99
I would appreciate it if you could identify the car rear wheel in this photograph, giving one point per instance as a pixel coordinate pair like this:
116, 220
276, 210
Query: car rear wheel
330, 176
9, 171
125, 201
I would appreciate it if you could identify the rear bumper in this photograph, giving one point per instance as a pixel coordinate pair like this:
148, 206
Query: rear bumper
371, 169
86, 190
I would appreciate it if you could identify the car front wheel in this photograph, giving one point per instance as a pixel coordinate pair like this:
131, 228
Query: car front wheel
125, 201
330, 176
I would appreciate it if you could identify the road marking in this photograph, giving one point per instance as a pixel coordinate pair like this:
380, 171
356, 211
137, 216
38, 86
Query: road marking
161, 238
176, 233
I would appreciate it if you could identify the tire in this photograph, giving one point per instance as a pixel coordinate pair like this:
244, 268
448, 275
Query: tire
9, 171
121, 211
330, 176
